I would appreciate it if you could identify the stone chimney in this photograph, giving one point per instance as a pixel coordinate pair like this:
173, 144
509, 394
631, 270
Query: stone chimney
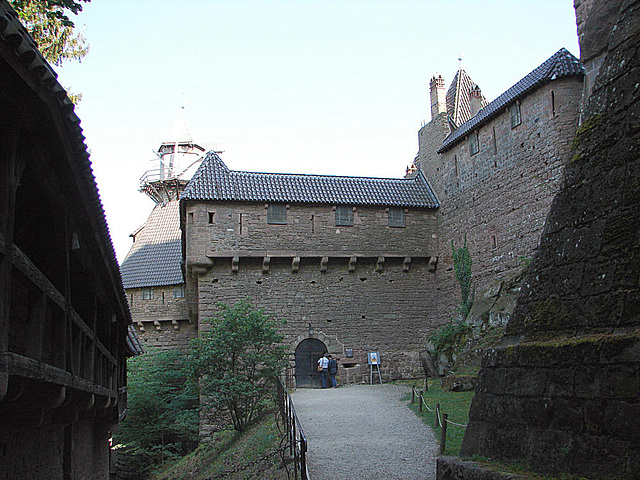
438, 96
475, 100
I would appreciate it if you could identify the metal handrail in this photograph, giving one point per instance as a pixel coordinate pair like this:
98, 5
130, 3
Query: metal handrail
296, 438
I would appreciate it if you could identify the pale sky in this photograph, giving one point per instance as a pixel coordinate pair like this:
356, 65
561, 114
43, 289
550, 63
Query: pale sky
338, 87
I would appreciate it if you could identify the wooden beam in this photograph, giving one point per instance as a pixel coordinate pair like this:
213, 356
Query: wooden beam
26, 266
33, 369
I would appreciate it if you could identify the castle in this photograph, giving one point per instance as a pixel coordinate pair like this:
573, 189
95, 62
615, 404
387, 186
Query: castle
356, 264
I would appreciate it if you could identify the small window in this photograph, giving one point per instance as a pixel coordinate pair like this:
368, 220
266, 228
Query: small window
178, 291
147, 294
553, 104
514, 112
396, 217
277, 214
494, 242
474, 144
344, 215
212, 216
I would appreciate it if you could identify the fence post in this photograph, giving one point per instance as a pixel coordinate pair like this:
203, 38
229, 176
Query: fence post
420, 399
437, 415
443, 433
413, 394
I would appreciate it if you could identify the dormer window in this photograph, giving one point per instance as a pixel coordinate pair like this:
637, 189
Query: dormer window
277, 214
514, 113
344, 215
474, 143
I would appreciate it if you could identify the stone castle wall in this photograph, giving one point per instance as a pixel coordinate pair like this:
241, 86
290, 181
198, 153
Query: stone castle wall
163, 321
355, 284
365, 310
499, 197
234, 228
562, 394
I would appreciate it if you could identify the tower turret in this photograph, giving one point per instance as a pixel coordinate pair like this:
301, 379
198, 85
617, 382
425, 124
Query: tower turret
177, 162
438, 96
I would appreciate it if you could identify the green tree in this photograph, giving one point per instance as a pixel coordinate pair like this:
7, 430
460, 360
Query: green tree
50, 26
238, 360
162, 419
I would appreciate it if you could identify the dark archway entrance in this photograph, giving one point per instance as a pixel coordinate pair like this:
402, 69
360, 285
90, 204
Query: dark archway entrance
308, 352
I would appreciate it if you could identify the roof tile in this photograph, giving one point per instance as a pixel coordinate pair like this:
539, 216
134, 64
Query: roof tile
214, 181
560, 64
154, 259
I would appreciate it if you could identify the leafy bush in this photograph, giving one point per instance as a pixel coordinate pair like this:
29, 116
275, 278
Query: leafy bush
162, 419
447, 338
462, 265
238, 360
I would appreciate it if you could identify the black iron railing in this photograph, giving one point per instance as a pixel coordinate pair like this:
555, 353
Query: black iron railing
297, 442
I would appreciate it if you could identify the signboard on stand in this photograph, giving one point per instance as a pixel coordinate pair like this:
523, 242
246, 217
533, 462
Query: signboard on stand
373, 359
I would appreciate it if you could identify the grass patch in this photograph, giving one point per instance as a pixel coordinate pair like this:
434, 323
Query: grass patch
230, 450
454, 404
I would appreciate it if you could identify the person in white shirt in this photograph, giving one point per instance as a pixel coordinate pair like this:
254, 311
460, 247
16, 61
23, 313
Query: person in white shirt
323, 368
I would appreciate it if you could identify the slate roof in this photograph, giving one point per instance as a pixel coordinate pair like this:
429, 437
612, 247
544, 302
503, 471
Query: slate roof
214, 181
154, 258
560, 64
133, 342
458, 98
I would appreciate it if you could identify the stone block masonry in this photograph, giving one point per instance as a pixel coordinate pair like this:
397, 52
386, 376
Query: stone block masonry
356, 285
233, 228
364, 309
160, 319
563, 393
499, 197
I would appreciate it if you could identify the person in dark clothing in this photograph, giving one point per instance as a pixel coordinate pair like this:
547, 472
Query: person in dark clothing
333, 369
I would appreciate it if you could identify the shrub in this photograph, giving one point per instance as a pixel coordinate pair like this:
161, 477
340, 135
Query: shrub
238, 360
162, 419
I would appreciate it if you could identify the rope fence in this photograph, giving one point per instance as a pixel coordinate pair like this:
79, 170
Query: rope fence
442, 419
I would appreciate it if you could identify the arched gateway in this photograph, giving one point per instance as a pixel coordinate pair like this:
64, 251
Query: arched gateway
307, 354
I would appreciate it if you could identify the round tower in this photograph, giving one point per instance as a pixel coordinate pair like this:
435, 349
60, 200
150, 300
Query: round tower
177, 161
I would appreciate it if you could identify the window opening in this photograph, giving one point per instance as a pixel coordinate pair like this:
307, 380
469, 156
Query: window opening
344, 215
147, 294
396, 217
553, 103
474, 144
495, 146
514, 111
277, 214
178, 291
211, 216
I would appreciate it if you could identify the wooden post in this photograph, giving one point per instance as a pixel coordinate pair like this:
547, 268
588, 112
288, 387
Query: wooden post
443, 433
420, 400
413, 394
437, 414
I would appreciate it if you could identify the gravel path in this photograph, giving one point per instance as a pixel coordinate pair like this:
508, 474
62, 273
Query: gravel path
364, 432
